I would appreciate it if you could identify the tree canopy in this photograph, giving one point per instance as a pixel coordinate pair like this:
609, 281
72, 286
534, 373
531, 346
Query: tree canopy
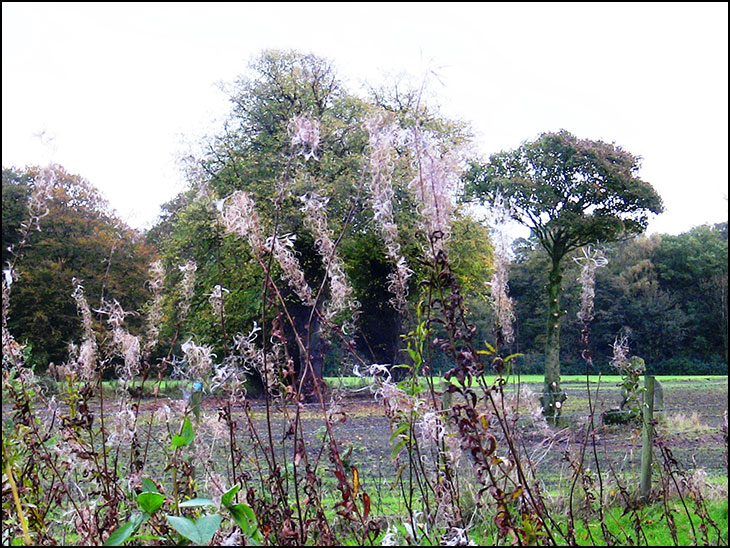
287, 98
77, 237
570, 192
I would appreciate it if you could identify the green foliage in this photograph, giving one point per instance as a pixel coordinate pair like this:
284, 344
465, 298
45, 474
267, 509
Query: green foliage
255, 154
79, 238
199, 531
570, 193
675, 320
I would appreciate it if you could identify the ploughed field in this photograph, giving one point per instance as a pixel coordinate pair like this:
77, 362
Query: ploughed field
689, 424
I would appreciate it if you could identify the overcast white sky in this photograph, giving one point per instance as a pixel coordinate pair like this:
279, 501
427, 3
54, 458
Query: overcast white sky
114, 91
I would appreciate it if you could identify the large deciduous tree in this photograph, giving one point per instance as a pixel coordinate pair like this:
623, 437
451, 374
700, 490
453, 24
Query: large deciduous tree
570, 192
260, 153
77, 236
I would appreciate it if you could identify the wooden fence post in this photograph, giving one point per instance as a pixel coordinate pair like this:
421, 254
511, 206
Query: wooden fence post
646, 438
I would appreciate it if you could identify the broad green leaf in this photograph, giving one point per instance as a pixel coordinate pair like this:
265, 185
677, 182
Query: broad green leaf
186, 527
192, 503
245, 518
122, 534
186, 436
148, 486
150, 502
207, 527
200, 531
227, 498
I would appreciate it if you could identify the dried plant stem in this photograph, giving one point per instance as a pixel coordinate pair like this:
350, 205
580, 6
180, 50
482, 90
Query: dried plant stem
16, 500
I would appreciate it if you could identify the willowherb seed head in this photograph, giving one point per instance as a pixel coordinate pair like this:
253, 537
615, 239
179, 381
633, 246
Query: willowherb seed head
620, 359
382, 137
127, 345
282, 248
590, 262
341, 292
156, 284
37, 201
431, 427
199, 360
12, 350
87, 356
304, 133
437, 173
216, 299
239, 216
187, 287
501, 301
123, 426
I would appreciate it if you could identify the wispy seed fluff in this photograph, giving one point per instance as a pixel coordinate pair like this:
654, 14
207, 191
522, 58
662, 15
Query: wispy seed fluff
156, 284
199, 360
315, 219
127, 344
187, 286
265, 364
436, 177
39, 196
381, 140
86, 362
239, 216
591, 260
501, 301
216, 299
11, 348
304, 132
282, 248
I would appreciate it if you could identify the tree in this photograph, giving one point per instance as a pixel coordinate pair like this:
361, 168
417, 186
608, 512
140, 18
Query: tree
79, 237
570, 192
255, 154
693, 265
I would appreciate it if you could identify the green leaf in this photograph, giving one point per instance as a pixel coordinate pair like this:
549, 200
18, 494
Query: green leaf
192, 503
186, 436
245, 518
122, 534
184, 526
398, 431
200, 531
398, 448
148, 486
227, 498
150, 502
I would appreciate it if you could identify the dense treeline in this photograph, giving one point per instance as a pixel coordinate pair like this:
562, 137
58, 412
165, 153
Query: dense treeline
667, 293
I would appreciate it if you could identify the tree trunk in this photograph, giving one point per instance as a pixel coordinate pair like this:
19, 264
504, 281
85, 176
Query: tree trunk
553, 397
